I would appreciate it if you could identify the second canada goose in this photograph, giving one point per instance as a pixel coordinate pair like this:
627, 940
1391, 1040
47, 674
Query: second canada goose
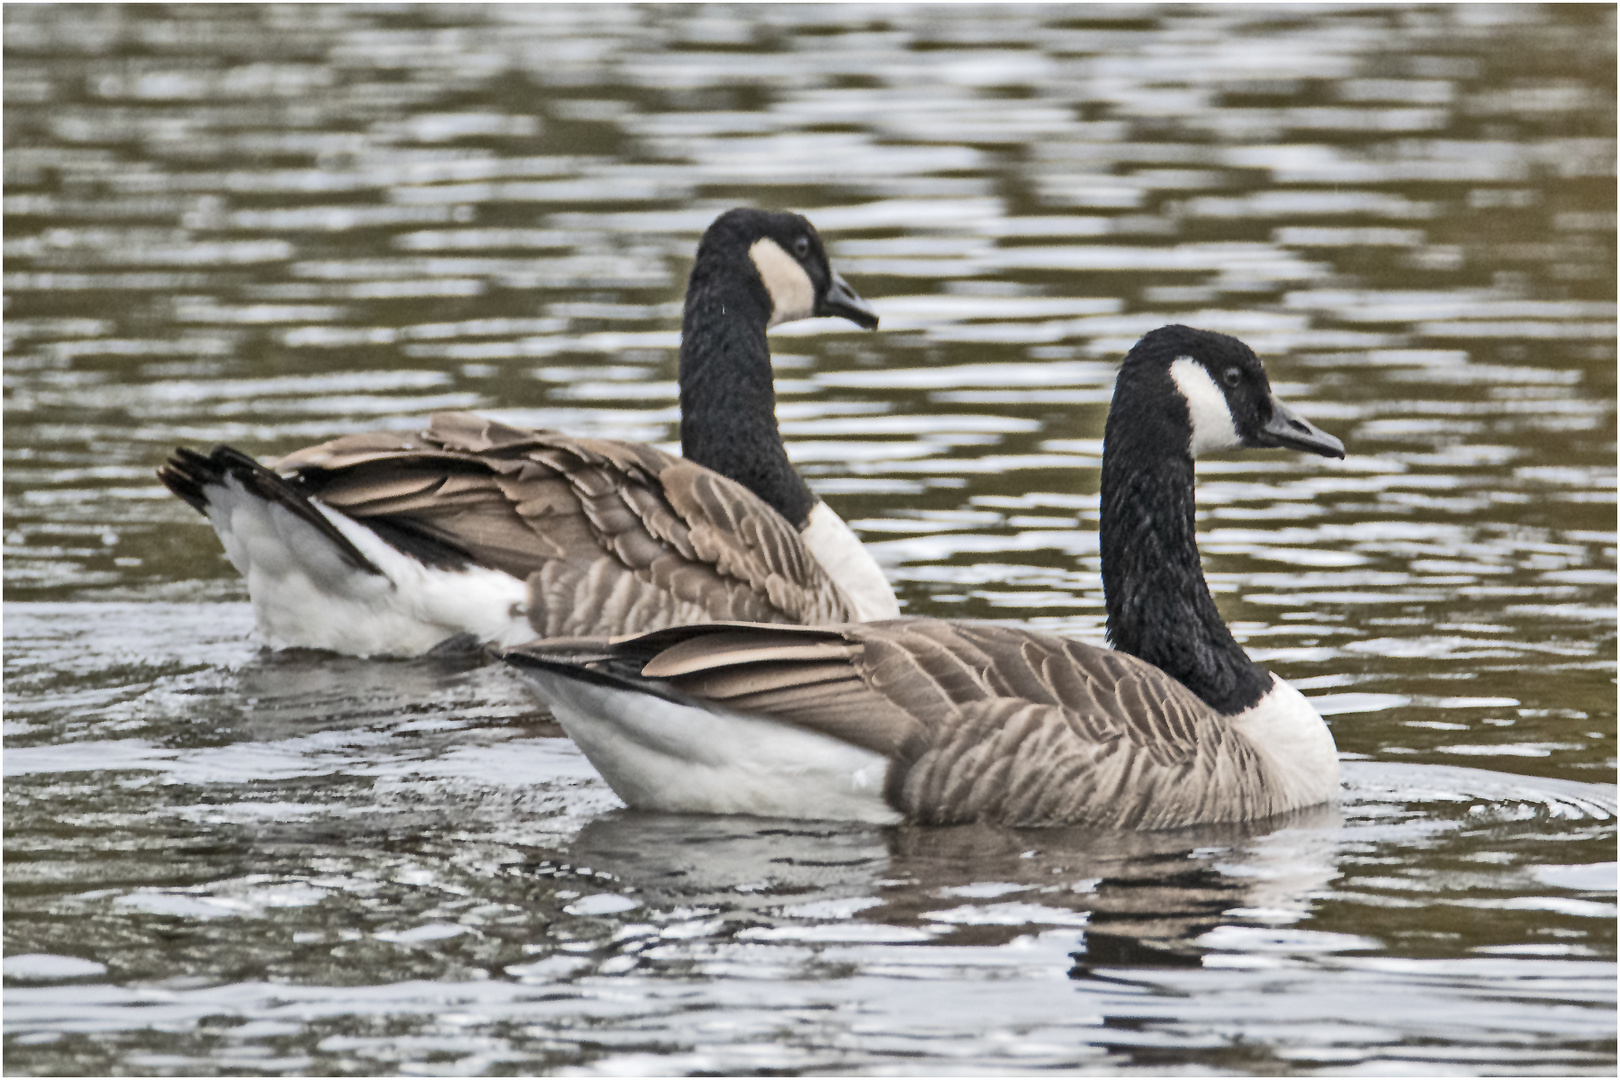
387, 545
941, 721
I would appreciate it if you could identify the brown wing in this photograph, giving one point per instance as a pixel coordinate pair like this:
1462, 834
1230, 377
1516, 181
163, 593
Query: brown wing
611, 537
983, 722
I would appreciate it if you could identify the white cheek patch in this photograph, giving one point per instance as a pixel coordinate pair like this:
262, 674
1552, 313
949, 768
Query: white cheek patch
792, 294
1212, 427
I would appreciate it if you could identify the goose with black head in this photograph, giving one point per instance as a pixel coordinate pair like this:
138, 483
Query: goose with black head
942, 721
382, 544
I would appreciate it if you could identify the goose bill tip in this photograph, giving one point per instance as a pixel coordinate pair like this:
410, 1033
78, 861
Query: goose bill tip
845, 303
1288, 430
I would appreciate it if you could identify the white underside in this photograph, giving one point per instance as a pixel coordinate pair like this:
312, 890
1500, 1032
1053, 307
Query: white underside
1295, 745
305, 594
847, 562
659, 755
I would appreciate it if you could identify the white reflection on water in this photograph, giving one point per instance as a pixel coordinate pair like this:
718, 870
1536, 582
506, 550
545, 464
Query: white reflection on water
400, 818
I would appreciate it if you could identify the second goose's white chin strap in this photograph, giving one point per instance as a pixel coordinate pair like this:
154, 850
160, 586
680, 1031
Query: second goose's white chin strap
1212, 427
793, 295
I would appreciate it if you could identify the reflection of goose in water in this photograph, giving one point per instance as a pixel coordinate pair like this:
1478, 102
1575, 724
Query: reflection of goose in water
742, 864
1143, 895
1303, 882
938, 721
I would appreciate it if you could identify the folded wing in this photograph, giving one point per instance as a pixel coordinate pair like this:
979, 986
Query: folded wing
981, 722
609, 536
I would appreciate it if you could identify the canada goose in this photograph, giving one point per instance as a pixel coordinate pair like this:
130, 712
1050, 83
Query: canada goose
937, 721
383, 544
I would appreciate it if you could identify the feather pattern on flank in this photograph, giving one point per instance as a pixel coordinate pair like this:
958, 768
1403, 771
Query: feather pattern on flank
607, 535
977, 722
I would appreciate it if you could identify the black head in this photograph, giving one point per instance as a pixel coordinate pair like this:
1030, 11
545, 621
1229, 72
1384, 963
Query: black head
1212, 388
786, 254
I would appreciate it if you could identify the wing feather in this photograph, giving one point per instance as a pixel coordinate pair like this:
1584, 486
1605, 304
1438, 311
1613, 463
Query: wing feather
983, 722
610, 536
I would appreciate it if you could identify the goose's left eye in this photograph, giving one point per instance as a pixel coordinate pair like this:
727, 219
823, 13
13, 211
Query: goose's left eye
1232, 376
801, 246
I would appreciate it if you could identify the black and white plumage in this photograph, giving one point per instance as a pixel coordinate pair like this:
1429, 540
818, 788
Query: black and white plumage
383, 544
939, 721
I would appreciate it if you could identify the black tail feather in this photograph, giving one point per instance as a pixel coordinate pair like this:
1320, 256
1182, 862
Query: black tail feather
591, 660
189, 475
185, 473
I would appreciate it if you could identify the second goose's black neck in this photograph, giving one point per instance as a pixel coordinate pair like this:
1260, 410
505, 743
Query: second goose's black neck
728, 393
1159, 606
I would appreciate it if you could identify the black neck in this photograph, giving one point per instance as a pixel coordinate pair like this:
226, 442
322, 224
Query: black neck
728, 393
1159, 607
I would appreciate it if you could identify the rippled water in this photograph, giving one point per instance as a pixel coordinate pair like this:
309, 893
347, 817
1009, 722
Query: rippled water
267, 226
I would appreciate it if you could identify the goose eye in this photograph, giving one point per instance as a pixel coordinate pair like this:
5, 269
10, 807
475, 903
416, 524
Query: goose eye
1231, 376
801, 246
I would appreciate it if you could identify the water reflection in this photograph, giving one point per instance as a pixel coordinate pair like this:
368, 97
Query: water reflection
311, 818
1157, 897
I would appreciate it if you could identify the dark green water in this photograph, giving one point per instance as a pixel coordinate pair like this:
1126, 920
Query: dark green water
267, 226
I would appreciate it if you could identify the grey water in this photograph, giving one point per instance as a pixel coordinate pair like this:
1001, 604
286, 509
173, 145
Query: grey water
270, 225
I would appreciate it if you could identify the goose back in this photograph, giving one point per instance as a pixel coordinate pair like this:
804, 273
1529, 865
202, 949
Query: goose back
382, 544
609, 536
978, 721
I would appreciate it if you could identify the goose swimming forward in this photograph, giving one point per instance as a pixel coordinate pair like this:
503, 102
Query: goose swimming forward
382, 544
941, 721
